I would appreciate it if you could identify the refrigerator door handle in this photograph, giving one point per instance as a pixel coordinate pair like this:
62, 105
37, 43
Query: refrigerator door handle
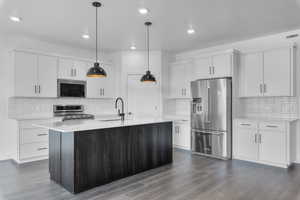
208, 106
208, 132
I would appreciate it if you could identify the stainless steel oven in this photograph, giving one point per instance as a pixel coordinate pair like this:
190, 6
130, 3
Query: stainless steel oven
71, 88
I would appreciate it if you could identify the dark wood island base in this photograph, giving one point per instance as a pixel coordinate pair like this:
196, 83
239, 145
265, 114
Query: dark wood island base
82, 160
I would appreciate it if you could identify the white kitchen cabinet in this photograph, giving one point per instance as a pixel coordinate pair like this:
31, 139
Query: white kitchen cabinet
267, 73
47, 76
179, 79
102, 87
26, 69
247, 148
277, 72
72, 69
109, 82
265, 142
32, 142
201, 68
221, 65
182, 134
35, 75
250, 73
272, 146
215, 66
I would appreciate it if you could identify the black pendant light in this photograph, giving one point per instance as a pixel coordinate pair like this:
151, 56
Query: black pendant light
96, 71
148, 77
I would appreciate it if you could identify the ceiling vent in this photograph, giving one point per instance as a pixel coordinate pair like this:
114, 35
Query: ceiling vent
291, 36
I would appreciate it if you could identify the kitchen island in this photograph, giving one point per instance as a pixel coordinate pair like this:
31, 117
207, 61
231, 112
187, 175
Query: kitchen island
88, 153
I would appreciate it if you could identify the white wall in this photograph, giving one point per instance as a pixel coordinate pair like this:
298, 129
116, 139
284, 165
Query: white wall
8, 43
273, 106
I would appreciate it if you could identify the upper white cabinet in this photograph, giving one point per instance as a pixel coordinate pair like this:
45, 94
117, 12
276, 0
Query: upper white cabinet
35, 75
218, 65
251, 76
47, 75
72, 69
267, 73
201, 68
25, 74
179, 79
221, 65
102, 87
181, 73
278, 68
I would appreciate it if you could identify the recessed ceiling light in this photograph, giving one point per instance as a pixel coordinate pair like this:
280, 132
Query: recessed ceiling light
191, 31
133, 47
15, 19
85, 36
143, 11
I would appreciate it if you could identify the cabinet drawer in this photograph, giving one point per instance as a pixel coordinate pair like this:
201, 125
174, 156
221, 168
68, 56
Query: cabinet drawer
34, 150
33, 135
246, 124
28, 123
272, 126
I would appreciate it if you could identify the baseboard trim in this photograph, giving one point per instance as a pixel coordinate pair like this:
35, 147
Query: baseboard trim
182, 150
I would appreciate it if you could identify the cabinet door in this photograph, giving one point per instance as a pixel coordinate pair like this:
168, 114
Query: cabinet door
94, 87
277, 72
222, 65
26, 74
47, 76
108, 88
247, 148
201, 68
185, 135
66, 69
103, 87
273, 147
251, 75
80, 69
188, 73
176, 83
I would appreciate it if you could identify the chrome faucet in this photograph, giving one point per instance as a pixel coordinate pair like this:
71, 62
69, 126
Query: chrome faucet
121, 114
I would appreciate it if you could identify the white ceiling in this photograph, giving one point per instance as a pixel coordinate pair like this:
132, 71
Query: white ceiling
215, 21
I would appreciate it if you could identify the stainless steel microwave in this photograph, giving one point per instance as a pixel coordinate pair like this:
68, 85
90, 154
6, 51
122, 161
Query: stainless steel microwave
71, 88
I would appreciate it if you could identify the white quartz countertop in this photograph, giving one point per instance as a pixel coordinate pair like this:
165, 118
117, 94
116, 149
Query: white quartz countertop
177, 117
267, 119
83, 125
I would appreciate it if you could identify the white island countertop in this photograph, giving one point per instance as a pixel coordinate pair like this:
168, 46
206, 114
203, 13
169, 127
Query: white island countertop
83, 125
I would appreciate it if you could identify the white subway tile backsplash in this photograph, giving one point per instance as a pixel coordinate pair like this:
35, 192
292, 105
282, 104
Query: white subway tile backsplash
44, 106
281, 107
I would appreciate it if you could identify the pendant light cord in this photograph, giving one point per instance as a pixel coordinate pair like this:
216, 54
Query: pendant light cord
96, 34
148, 46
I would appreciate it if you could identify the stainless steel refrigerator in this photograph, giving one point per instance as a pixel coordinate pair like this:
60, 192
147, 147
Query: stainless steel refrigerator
211, 117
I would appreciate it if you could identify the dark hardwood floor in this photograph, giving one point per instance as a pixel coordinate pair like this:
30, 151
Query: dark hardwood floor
189, 177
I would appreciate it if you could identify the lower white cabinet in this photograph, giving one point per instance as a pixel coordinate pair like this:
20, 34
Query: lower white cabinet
247, 148
266, 142
32, 143
182, 134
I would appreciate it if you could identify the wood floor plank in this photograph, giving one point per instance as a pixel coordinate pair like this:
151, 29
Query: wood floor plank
190, 177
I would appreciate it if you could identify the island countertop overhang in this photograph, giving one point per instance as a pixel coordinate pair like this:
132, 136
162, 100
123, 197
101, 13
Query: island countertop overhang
84, 125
